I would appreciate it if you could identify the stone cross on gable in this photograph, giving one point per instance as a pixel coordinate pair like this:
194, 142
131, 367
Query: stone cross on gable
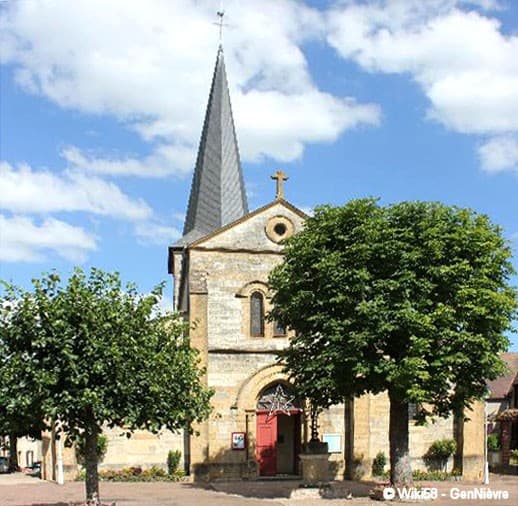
280, 177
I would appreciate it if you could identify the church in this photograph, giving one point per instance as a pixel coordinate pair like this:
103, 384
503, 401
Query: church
258, 427
220, 267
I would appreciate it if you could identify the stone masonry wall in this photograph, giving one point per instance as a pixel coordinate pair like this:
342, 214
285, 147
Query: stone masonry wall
142, 449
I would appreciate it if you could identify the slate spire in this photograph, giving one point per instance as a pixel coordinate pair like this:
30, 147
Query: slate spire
217, 191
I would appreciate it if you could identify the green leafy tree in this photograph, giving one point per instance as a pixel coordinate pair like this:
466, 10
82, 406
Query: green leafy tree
20, 398
412, 299
101, 353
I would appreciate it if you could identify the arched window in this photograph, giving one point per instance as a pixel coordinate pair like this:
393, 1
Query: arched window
257, 314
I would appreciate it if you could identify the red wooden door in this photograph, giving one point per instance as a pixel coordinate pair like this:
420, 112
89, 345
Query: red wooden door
265, 448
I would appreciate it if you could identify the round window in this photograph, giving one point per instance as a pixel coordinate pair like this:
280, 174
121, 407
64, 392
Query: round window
279, 228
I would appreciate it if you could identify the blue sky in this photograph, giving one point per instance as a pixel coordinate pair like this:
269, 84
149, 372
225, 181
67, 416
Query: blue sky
102, 106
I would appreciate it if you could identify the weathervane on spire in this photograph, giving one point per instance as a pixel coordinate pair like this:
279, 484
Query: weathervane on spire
221, 24
280, 177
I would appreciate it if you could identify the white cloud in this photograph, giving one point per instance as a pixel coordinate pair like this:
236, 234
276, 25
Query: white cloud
464, 64
156, 233
279, 125
150, 63
165, 160
24, 241
25, 190
29, 191
500, 153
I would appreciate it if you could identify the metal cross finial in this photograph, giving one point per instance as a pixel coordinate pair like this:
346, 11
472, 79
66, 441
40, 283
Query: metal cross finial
280, 177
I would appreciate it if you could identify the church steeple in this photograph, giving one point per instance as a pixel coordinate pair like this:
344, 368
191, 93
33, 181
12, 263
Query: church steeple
217, 192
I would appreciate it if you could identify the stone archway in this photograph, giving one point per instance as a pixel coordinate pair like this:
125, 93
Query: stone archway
246, 402
247, 395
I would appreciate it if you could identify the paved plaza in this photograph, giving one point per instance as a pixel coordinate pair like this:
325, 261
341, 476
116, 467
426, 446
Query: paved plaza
19, 490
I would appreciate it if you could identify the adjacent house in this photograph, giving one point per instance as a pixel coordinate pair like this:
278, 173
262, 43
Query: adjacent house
502, 409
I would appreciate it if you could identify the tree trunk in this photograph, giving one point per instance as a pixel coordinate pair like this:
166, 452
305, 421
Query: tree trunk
400, 470
458, 431
13, 451
92, 478
349, 438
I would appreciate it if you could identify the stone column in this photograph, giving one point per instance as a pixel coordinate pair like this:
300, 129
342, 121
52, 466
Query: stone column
198, 303
46, 456
473, 437
362, 438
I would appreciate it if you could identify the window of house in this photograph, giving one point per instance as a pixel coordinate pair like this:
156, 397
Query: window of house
257, 314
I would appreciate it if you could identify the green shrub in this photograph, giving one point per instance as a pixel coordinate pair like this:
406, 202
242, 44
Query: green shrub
378, 464
442, 449
135, 474
436, 458
514, 456
173, 459
419, 475
154, 472
493, 442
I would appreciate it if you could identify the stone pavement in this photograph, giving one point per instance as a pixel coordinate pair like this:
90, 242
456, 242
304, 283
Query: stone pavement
17, 478
17, 490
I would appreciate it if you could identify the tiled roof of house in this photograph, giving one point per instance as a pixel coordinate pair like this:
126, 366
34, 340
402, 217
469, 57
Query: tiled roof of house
501, 387
509, 415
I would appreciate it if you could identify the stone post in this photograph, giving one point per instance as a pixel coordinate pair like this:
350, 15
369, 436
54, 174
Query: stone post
315, 463
315, 468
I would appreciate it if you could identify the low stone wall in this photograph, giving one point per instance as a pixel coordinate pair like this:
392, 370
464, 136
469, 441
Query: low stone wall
225, 471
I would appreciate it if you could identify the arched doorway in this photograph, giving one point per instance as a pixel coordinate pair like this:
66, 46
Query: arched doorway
278, 435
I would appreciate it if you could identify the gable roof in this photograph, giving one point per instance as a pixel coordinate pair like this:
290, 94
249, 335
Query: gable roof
500, 387
283, 202
217, 194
